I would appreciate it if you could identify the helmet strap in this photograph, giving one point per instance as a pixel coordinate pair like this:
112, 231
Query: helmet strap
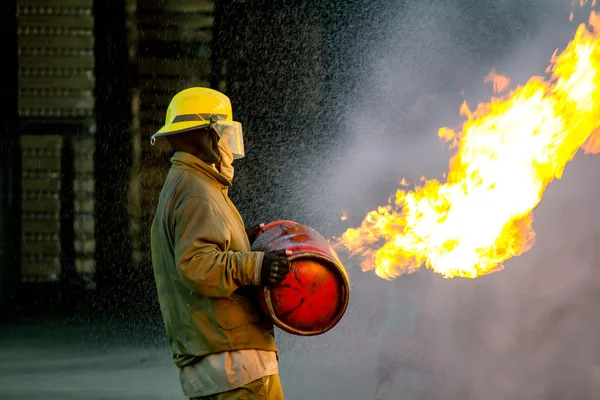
215, 138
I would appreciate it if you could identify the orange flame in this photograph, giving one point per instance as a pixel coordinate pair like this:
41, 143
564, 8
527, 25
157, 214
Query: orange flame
592, 145
507, 152
344, 216
500, 82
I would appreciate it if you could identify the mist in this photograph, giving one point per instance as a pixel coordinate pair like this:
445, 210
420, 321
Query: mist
529, 331
340, 101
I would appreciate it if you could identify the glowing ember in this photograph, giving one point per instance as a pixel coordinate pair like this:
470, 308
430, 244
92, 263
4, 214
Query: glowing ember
508, 151
344, 215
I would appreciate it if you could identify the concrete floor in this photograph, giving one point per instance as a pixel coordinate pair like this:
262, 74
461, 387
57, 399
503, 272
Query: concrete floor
95, 361
81, 362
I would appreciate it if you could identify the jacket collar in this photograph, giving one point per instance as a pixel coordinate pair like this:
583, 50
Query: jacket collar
183, 160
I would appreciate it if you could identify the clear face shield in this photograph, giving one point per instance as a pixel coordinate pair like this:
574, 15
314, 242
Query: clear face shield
230, 135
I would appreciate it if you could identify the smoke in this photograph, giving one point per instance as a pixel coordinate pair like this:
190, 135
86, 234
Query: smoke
529, 331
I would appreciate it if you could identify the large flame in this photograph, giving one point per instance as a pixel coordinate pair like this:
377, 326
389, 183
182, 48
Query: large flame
507, 152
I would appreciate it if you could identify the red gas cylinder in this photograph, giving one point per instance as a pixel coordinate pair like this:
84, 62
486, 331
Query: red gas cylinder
314, 296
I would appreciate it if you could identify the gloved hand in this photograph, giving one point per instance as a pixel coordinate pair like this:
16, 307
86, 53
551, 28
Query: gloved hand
253, 232
275, 267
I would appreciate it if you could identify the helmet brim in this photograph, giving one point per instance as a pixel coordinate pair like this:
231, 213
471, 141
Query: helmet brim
180, 127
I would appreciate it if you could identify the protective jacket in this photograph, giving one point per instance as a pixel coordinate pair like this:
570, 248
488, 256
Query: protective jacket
203, 265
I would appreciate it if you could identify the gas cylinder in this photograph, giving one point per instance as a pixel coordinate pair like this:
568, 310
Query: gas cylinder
314, 296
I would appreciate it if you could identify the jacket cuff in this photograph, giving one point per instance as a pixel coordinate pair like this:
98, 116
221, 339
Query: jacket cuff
258, 267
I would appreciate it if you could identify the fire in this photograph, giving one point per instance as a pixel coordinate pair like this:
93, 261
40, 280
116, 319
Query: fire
500, 82
507, 152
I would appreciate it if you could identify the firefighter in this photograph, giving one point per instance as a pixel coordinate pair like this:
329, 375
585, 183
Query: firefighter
206, 275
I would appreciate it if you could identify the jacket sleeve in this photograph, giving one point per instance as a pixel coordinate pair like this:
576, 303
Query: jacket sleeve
201, 244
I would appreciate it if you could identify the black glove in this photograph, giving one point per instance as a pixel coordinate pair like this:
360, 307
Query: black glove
253, 232
275, 267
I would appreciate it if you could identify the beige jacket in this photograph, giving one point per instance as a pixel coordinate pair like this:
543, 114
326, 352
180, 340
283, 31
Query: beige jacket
203, 265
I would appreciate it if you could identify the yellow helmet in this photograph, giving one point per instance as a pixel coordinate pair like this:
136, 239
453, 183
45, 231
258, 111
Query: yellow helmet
200, 107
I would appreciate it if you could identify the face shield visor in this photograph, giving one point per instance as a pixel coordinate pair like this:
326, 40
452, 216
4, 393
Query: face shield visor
231, 136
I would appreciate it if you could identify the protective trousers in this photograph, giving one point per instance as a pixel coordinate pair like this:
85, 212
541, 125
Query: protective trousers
266, 388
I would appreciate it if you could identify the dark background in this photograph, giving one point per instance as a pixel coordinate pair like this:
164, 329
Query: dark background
339, 101
300, 69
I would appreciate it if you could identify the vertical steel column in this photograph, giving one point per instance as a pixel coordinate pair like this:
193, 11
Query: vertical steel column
114, 151
9, 165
